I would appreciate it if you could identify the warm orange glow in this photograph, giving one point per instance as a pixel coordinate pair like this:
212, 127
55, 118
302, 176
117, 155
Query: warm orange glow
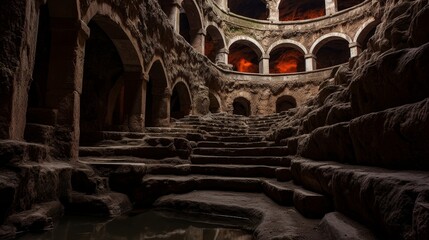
209, 49
244, 65
287, 62
242, 61
302, 15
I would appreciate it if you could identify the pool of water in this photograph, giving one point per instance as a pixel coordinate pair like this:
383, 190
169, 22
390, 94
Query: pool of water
152, 224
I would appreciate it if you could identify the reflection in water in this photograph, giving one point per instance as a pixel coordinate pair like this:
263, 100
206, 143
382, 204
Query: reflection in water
147, 225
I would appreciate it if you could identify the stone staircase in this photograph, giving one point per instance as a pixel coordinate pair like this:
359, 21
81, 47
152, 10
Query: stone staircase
224, 153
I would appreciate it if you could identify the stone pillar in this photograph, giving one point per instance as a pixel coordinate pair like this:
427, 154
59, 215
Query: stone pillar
161, 107
198, 37
355, 49
222, 56
65, 81
264, 64
134, 100
174, 15
274, 12
310, 62
330, 7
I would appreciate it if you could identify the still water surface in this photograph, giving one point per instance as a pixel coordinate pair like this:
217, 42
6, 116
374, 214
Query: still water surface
152, 224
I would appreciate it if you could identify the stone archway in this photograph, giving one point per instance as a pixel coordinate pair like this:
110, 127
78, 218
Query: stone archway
191, 25
245, 55
241, 106
290, 10
214, 43
285, 103
255, 9
331, 49
157, 113
180, 102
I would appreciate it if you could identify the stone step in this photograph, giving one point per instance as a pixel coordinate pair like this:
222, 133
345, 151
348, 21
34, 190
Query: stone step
150, 130
234, 170
243, 138
223, 129
16, 151
337, 226
254, 151
210, 127
241, 160
155, 186
214, 144
153, 152
38, 133
210, 122
130, 161
235, 134
311, 204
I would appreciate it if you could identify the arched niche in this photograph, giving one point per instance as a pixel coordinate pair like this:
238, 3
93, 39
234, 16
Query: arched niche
365, 32
244, 55
255, 9
214, 42
287, 59
180, 102
214, 106
157, 113
331, 49
285, 103
191, 23
291, 10
241, 106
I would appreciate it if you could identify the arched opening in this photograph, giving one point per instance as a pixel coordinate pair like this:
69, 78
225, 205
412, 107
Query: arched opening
185, 27
290, 10
102, 69
37, 112
241, 106
191, 23
255, 9
332, 52
243, 57
214, 103
157, 112
286, 60
365, 33
180, 102
213, 43
285, 103
344, 4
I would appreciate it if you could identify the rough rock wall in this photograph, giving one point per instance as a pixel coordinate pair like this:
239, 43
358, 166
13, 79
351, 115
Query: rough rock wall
374, 111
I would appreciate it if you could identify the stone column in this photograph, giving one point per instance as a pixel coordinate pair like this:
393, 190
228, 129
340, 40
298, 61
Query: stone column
161, 107
222, 56
198, 37
330, 7
274, 12
310, 62
65, 81
134, 100
264, 64
174, 15
355, 49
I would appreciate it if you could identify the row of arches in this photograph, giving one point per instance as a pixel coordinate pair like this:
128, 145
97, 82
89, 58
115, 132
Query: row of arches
287, 10
289, 56
242, 106
245, 54
91, 78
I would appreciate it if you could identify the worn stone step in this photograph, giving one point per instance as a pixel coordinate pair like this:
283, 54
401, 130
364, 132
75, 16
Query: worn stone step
38, 133
154, 152
130, 161
234, 170
154, 186
17, 151
243, 138
241, 160
232, 144
311, 204
280, 194
174, 130
337, 226
254, 151
211, 122
223, 129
